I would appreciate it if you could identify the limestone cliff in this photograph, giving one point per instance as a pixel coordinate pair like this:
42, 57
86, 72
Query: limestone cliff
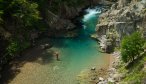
123, 18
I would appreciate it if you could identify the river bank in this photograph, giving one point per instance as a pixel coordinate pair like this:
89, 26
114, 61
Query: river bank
102, 75
22, 68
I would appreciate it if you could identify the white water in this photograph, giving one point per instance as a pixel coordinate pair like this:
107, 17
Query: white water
91, 13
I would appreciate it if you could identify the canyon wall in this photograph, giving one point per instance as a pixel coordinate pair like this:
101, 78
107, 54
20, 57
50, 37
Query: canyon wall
123, 18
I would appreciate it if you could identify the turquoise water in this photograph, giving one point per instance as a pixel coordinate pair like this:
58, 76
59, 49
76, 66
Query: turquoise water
76, 54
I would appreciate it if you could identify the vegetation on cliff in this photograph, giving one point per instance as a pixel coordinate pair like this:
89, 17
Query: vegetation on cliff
126, 17
18, 18
22, 20
132, 47
133, 59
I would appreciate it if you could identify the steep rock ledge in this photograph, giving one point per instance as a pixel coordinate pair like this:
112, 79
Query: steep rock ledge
123, 18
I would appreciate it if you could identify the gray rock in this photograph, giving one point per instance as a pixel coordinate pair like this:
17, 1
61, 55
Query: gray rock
93, 68
111, 80
117, 77
122, 19
101, 79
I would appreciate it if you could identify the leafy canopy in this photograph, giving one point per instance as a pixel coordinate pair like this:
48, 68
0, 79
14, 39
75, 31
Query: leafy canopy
131, 47
24, 11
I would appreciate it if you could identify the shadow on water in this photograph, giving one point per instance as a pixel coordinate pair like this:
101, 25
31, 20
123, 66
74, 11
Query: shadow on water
36, 55
33, 55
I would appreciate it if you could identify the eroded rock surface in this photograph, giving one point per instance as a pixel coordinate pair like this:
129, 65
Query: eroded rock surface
124, 18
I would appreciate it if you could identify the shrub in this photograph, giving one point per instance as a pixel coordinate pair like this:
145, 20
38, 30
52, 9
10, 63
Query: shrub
131, 47
13, 48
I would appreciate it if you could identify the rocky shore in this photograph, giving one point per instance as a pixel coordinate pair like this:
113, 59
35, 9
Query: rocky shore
123, 18
102, 75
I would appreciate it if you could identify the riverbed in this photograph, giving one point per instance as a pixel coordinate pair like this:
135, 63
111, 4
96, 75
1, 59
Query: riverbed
75, 54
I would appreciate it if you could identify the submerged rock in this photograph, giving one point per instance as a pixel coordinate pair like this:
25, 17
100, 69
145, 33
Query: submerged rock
93, 68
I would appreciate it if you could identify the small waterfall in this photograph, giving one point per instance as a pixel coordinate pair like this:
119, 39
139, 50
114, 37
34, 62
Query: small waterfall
91, 13
143, 1
90, 20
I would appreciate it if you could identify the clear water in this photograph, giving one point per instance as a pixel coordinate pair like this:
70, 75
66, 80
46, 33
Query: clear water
76, 54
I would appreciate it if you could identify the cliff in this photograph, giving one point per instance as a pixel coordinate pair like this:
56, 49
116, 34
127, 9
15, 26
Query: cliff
123, 18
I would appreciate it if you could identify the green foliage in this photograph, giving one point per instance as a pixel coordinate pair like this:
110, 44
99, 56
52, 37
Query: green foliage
24, 45
135, 73
24, 12
1, 12
18, 18
135, 77
144, 45
16, 47
13, 48
131, 47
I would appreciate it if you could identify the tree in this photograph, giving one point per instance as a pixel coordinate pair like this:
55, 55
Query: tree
24, 12
131, 47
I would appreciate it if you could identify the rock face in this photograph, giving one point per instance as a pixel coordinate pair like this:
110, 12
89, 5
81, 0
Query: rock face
60, 19
123, 18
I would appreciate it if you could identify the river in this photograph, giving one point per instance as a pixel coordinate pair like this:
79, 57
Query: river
76, 54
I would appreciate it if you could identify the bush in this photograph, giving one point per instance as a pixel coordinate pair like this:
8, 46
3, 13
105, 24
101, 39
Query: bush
13, 48
131, 47
16, 47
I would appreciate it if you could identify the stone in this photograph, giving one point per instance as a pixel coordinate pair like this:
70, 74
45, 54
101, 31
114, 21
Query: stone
111, 80
113, 62
93, 68
101, 79
116, 77
112, 70
103, 82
